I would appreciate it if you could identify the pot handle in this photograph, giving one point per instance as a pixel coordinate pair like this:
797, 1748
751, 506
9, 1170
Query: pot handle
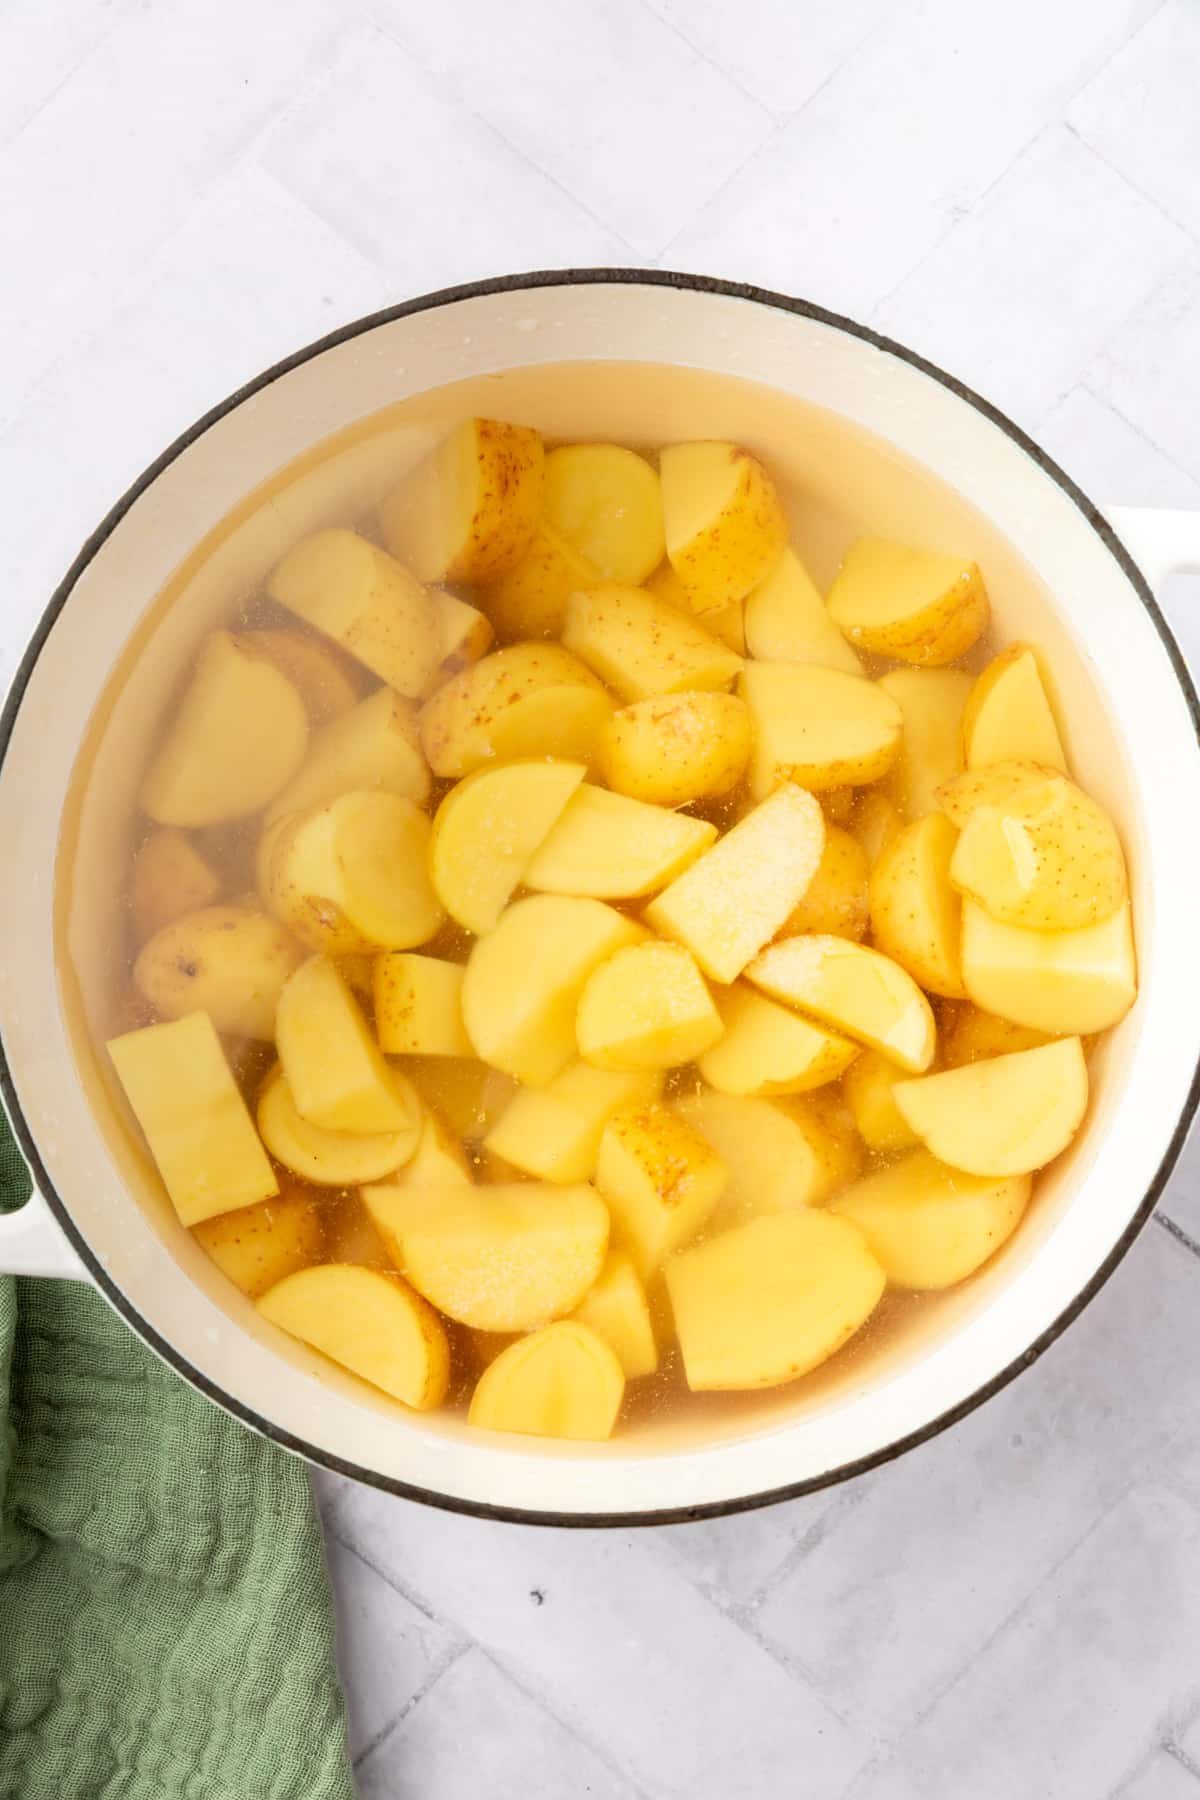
1161, 541
33, 1243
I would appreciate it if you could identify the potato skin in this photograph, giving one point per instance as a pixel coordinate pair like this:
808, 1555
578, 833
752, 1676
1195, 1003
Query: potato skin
228, 961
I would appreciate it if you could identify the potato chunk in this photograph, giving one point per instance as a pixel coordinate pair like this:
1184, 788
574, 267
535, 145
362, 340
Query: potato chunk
780, 1153
1006, 1115
530, 601
616, 1310
819, 727
469, 510
874, 823
365, 601
661, 1181
787, 621
999, 785
606, 502
234, 739
374, 746
642, 646
334, 1068
438, 1161
1060, 982
725, 525
464, 634
1048, 859
725, 622
488, 830
768, 1049
228, 961
771, 1299
371, 1323
259, 1245
554, 1132
195, 1121
525, 700
932, 702
646, 1007
320, 674
564, 1381
931, 1226
170, 877
915, 605
332, 1158
1008, 715
737, 896
916, 915
836, 899
614, 848
857, 991
868, 1090
418, 1006
677, 748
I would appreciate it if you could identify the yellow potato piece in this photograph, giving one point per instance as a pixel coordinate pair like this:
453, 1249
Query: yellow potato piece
725, 622
259, 1245
487, 831
195, 1121
228, 961
819, 727
606, 502
1000, 785
768, 1049
677, 748
661, 1181
916, 915
856, 990
554, 1132
835, 900
352, 874
530, 601
464, 634
418, 1006
642, 646
235, 737
780, 1153
334, 1068
787, 621
468, 511
500, 1258
524, 980
315, 669
371, 1323
725, 525
617, 1311
613, 847
932, 702
1006, 1115
170, 877
647, 1007
467, 1093
562, 1382
525, 700
874, 823
966, 1032
374, 746
915, 605
771, 1299
365, 601
439, 1159
931, 1226
736, 897
1008, 716
332, 1158
1059, 982
868, 1089
1049, 859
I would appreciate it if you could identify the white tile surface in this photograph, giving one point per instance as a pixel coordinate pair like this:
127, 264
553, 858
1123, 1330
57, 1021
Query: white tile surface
188, 192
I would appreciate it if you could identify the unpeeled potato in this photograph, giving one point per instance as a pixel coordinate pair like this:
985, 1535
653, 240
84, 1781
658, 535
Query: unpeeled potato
615, 1308
726, 622
817, 726
335, 1070
260, 1245
606, 503
318, 672
916, 915
836, 899
725, 524
564, 1381
855, 990
1047, 859
613, 847
868, 1088
418, 1005
1005, 1115
554, 1132
376, 745
228, 961
915, 605
170, 877
676, 748
1008, 715
932, 703
1059, 982
524, 700
660, 1180
929, 1225
335, 1159
530, 601
768, 1049
786, 621
646, 1007
469, 510
488, 830
365, 601
642, 646
371, 1323
780, 1153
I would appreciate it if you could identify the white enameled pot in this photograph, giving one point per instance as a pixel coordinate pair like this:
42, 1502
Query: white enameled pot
1060, 573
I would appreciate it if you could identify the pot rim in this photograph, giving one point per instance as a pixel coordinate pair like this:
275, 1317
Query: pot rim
555, 278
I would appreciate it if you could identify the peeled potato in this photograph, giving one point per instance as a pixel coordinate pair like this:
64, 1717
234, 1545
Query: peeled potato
315, 669
371, 1323
916, 915
725, 525
1059, 982
768, 1049
1049, 859
677, 748
564, 1381
554, 1132
642, 646
735, 898
501, 1258
725, 622
1006, 1115
418, 1006
524, 980
819, 727
526, 700
438, 1161
646, 1007
857, 991
660, 1180
780, 1153
605, 501
835, 900
914, 605
1008, 716
237, 736
874, 823
787, 621
616, 1309
770, 1300
374, 746
228, 961
487, 830
170, 877
931, 1226
966, 1032
334, 1068
468, 511
530, 601
260, 1245
932, 703
613, 847
868, 1088
365, 601
331, 1158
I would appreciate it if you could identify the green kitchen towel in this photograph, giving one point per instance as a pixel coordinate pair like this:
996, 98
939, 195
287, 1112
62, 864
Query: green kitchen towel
165, 1625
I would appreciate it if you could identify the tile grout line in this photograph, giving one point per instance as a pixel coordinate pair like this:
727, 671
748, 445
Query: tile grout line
711, 62
442, 1665
397, 1587
1101, 399
596, 1749
1113, 168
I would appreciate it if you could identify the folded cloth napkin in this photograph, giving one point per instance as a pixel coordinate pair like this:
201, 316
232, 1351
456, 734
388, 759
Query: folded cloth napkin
165, 1624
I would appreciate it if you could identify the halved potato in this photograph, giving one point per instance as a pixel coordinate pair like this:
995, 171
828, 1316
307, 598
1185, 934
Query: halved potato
819, 727
170, 877
646, 1007
418, 1006
874, 823
438, 1161
501, 1258
735, 898
331, 1158
234, 739
677, 748
525, 700
365, 601
464, 634
469, 510
1006, 1115
1058, 982
374, 746
836, 899
530, 601
564, 1381
916, 915
915, 605
613, 847
554, 1132
615, 1308
768, 1049
725, 525
780, 1153
1008, 716
1048, 859
334, 1068
320, 674
966, 1032
606, 502
770, 1300
259, 1245
488, 829
931, 1226
660, 1179
857, 991
999, 785
228, 961
642, 646
932, 702
371, 1323
725, 622
787, 621
868, 1090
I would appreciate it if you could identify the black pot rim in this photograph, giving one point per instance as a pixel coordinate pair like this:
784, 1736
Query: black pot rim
555, 278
